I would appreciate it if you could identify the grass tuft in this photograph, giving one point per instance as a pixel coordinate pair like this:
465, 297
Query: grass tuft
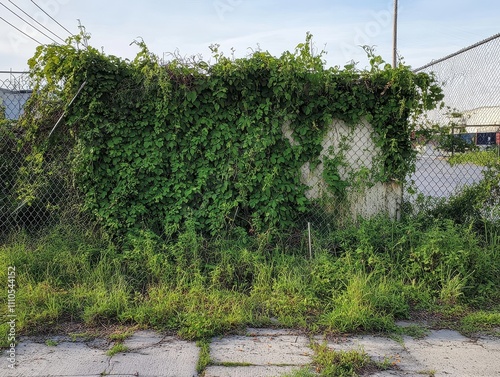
204, 358
333, 363
117, 348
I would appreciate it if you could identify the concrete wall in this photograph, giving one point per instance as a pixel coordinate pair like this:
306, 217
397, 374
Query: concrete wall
359, 155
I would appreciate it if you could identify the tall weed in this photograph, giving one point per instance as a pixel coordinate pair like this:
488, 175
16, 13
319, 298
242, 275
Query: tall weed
377, 271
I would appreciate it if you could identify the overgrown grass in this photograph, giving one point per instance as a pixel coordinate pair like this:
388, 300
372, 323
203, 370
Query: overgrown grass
481, 158
351, 363
481, 321
377, 272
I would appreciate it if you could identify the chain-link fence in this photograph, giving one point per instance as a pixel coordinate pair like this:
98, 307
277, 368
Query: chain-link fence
345, 184
15, 89
32, 194
469, 120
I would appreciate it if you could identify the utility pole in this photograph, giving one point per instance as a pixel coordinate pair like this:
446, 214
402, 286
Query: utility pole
395, 36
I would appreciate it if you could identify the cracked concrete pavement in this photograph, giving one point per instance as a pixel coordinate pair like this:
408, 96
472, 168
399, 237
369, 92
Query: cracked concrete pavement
258, 353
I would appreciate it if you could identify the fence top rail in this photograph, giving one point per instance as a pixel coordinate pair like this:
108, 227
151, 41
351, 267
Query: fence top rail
458, 52
16, 72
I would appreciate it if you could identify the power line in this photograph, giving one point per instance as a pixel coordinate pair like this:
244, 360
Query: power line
46, 28
52, 18
34, 27
29, 36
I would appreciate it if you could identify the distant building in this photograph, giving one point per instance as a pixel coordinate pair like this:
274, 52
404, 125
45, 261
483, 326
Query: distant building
13, 102
483, 124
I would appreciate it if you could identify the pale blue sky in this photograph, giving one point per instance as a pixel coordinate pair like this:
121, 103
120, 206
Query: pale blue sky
427, 29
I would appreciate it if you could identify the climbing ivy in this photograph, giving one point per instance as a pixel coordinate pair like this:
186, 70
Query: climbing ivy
154, 144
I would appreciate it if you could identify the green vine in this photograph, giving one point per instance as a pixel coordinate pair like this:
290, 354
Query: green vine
156, 144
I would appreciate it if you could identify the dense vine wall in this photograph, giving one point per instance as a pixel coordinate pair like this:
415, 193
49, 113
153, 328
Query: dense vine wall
155, 144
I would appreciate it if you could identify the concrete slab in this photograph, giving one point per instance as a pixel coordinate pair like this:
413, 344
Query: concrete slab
66, 359
262, 350
141, 339
379, 349
269, 352
151, 355
400, 373
448, 353
489, 343
250, 371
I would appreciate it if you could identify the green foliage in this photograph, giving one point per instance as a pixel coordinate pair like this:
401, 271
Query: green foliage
154, 145
117, 348
415, 331
365, 305
480, 321
204, 356
341, 363
34, 186
120, 336
302, 372
454, 143
477, 204
332, 176
8, 167
481, 158
380, 271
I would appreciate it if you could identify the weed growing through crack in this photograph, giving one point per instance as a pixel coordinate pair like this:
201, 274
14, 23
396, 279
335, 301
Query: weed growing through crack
204, 358
84, 336
415, 331
120, 336
117, 348
332, 363
302, 372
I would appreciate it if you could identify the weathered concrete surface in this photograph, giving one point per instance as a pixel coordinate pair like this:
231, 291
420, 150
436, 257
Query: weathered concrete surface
151, 355
441, 353
450, 354
262, 349
249, 371
65, 359
354, 146
148, 355
259, 353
